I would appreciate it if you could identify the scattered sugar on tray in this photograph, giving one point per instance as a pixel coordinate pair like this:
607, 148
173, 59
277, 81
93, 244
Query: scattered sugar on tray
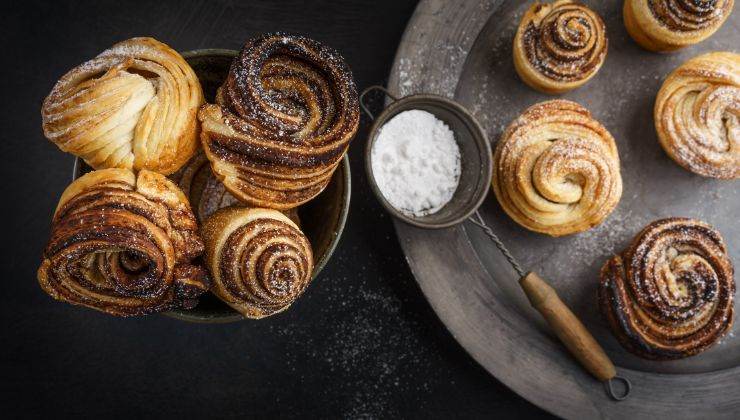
416, 162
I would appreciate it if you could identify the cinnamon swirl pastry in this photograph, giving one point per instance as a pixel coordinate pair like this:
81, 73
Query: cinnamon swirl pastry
282, 122
697, 115
259, 260
668, 25
123, 244
206, 193
556, 169
560, 46
134, 106
669, 295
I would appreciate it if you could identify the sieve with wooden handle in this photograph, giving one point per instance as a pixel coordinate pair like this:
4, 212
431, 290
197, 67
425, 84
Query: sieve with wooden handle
475, 179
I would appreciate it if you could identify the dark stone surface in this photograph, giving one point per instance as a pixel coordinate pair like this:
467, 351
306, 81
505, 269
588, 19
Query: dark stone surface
362, 342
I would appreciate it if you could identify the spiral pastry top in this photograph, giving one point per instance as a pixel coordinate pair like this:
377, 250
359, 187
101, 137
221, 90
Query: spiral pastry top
259, 259
668, 25
556, 169
123, 244
697, 115
669, 295
559, 46
283, 121
134, 106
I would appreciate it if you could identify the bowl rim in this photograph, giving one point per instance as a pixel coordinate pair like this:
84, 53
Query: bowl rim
204, 52
345, 180
479, 137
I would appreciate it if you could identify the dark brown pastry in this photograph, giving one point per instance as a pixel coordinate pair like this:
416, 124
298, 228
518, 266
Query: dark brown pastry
259, 260
282, 121
559, 46
669, 295
123, 244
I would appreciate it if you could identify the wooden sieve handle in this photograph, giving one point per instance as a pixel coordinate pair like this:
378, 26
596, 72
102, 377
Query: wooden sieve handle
567, 327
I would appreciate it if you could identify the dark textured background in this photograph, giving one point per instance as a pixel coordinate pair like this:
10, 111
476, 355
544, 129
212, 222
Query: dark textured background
362, 342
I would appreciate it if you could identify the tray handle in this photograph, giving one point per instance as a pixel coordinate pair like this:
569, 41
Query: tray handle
564, 323
572, 333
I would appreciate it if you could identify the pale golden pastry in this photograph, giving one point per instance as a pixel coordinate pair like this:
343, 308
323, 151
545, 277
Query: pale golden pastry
260, 261
134, 106
697, 115
668, 25
670, 294
282, 121
559, 46
556, 169
123, 244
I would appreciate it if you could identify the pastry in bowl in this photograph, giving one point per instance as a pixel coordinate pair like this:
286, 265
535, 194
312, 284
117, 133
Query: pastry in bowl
259, 259
670, 294
556, 169
559, 46
123, 244
669, 25
206, 193
697, 115
282, 121
134, 106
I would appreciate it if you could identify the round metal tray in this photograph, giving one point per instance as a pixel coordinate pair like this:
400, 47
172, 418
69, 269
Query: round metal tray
463, 50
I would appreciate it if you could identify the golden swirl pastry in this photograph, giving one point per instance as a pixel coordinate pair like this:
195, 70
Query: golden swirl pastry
669, 295
259, 259
697, 115
283, 121
134, 106
123, 244
668, 25
556, 169
560, 46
